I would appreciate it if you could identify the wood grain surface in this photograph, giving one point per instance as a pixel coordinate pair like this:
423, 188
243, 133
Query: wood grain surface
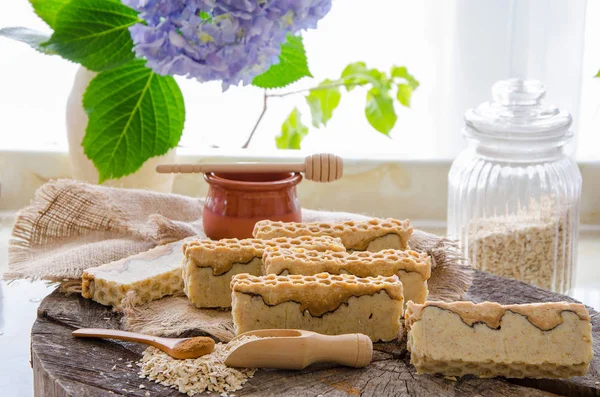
66, 366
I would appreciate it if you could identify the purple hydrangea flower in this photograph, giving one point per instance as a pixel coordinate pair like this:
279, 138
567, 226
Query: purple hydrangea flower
228, 40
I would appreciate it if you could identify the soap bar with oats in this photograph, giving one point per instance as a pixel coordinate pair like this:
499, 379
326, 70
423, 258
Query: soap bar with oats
151, 275
323, 303
539, 340
371, 235
412, 268
209, 265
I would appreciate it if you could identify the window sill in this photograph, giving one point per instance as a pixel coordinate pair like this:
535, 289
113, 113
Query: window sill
385, 185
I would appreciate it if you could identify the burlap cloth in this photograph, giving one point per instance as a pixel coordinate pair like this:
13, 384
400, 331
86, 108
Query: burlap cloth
71, 226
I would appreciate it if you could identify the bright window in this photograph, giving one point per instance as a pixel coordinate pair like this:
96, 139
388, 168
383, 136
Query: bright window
456, 49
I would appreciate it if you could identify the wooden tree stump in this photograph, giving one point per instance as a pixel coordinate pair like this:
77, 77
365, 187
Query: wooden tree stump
66, 366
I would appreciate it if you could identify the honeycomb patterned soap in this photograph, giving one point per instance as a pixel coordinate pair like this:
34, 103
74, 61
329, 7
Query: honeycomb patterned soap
371, 235
151, 275
324, 303
412, 268
209, 265
539, 340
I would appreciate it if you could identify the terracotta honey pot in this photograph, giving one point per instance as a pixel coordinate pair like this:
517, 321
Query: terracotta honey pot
242, 194
235, 202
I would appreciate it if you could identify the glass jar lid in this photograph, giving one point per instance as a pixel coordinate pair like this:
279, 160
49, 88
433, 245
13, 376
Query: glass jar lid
518, 113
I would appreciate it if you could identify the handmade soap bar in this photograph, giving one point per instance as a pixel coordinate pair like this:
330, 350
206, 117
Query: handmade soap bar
412, 268
541, 340
151, 275
209, 265
372, 235
324, 303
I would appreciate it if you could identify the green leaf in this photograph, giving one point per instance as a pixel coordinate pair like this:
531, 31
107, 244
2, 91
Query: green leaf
31, 37
598, 74
357, 74
48, 9
94, 33
404, 93
292, 66
134, 114
323, 101
292, 132
380, 110
402, 72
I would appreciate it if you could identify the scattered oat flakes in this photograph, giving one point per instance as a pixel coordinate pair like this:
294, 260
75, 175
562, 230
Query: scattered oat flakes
452, 378
129, 365
142, 386
147, 394
207, 373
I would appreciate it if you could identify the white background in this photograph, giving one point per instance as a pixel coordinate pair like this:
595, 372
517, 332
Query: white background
456, 49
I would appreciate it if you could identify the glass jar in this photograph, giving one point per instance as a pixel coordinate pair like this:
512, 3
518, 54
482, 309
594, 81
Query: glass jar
513, 195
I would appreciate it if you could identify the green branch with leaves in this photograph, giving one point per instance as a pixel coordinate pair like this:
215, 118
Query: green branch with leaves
323, 99
135, 114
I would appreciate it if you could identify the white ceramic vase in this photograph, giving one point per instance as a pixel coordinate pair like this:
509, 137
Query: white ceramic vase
83, 168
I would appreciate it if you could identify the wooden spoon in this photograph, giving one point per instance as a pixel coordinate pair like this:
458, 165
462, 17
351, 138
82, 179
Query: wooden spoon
297, 349
318, 167
180, 348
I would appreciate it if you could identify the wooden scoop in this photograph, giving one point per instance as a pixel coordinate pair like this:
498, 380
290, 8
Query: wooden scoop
180, 348
318, 167
297, 349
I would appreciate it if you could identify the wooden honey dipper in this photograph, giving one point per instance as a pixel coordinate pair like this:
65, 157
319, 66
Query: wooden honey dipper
318, 167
